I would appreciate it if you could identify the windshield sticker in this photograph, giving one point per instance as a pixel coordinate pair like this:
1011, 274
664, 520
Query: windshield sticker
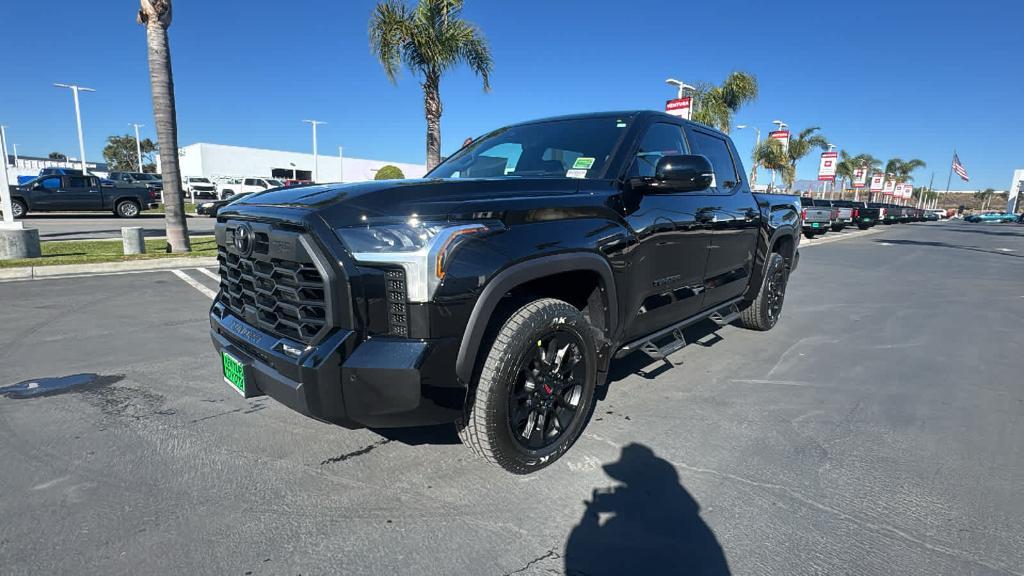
620, 124
574, 173
583, 163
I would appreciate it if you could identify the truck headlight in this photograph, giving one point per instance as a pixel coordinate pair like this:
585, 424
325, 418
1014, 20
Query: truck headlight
421, 248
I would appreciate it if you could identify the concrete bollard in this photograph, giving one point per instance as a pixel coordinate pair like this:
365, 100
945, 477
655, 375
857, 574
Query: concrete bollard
134, 242
19, 243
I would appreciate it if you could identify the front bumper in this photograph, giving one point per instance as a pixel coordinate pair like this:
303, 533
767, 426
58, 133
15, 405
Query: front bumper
380, 382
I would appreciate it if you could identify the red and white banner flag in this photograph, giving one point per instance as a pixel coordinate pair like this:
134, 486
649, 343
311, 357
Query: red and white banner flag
877, 182
860, 177
682, 107
889, 187
782, 136
827, 166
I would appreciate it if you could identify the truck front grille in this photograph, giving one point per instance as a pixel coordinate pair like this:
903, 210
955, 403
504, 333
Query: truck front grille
285, 297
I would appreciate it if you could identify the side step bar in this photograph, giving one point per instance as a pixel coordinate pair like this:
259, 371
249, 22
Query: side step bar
722, 315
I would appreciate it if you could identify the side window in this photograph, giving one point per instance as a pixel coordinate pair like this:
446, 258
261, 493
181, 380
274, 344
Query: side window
660, 140
717, 151
51, 183
78, 182
250, 182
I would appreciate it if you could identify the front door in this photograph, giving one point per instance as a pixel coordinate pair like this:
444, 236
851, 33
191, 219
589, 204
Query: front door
736, 224
666, 284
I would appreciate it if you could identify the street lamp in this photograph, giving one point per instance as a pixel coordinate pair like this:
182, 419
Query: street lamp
316, 169
680, 86
757, 144
75, 89
138, 146
781, 126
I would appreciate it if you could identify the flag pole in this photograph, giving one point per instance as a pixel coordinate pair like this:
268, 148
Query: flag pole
950, 178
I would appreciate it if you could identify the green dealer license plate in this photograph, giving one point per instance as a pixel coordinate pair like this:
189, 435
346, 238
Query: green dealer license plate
234, 373
814, 224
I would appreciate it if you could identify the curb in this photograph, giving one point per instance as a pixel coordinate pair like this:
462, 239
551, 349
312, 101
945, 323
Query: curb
102, 268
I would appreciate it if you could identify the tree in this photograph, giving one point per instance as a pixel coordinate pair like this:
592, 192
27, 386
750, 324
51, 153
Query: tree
848, 165
121, 155
715, 105
771, 155
155, 15
389, 172
430, 39
801, 146
57, 156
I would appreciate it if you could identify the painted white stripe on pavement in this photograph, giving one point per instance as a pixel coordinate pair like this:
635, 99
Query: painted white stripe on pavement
195, 284
216, 277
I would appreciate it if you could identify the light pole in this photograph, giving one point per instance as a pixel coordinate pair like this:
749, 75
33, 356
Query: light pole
341, 164
316, 170
138, 146
75, 89
15, 154
680, 86
780, 126
757, 144
3, 144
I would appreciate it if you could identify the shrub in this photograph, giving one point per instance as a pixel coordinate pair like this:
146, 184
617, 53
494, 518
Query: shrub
389, 172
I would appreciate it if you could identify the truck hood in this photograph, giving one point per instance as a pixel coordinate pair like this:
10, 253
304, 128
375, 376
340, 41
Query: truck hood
346, 204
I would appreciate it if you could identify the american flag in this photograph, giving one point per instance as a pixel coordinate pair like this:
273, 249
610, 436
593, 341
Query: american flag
959, 169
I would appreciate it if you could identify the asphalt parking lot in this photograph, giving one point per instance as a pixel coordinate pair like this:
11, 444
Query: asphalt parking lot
79, 226
876, 430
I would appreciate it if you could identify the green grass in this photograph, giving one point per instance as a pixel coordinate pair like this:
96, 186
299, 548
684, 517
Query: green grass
190, 208
91, 251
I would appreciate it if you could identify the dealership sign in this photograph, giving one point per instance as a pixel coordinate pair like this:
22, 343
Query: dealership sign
782, 136
827, 167
681, 107
877, 182
889, 187
860, 177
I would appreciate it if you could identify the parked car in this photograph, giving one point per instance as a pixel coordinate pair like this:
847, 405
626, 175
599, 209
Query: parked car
817, 220
22, 180
495, 292
133, 179
929, 216
80, 193
248, 184
940, 213
992, 217
211, 207
290, 183
864, 216
197, 187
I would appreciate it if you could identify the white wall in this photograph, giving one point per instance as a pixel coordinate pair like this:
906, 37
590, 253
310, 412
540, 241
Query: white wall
1016, 184
212, 160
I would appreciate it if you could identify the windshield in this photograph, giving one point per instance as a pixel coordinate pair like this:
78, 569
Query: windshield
275, 183
144, 176
573, 148
200, 180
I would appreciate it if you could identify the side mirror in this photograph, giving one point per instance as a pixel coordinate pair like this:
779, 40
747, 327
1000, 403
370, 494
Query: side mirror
689, 173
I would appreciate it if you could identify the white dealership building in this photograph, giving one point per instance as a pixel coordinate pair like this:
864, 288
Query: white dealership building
213, 160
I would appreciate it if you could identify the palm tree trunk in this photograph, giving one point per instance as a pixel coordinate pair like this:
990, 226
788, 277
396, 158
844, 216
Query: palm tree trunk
162, 84
432, 110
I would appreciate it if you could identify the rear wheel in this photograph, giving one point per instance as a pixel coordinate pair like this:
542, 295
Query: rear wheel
535, 392
764, 311
127, 209
863, 226
808, 234
838, 227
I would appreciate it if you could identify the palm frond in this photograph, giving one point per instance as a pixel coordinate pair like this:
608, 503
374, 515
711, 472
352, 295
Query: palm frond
390, 28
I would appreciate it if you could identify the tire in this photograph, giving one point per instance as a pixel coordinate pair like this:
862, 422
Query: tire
764, 311
18, 209
863, 226
127, 209
838, 227
808, 234
508, 386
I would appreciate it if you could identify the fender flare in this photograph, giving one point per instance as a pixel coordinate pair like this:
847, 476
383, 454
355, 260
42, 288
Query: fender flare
761, 258
519, 274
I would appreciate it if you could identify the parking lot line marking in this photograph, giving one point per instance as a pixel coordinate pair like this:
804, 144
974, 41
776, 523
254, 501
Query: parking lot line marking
216, 277
193, 283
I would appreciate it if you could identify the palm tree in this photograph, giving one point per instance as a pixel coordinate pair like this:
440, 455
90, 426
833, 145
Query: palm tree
771, 155
155, 15
848, 165
807, 140
715, 105
429, 39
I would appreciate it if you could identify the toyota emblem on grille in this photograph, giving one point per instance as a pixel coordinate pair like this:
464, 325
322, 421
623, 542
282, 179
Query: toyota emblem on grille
243, 239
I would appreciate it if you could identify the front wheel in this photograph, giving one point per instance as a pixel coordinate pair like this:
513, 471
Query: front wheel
127, 209
18, 209
863, 226
764, 311
535, 392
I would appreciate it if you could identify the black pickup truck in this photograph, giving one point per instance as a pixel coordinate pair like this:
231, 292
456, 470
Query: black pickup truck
495, 292
72, 193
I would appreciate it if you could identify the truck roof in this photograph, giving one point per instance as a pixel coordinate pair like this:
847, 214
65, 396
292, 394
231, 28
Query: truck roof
633, 114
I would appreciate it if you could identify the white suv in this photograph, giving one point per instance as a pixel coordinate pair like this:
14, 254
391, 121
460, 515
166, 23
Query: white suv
197, 187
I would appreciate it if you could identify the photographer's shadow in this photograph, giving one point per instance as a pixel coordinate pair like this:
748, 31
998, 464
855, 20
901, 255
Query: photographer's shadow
649, 524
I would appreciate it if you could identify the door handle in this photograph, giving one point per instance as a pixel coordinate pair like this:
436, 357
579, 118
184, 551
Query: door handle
706, 215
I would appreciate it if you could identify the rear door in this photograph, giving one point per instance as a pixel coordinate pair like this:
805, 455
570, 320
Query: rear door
667, 281
737, 220
82, 193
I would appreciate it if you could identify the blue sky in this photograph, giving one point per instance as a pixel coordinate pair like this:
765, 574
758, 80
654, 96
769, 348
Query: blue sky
907, 78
